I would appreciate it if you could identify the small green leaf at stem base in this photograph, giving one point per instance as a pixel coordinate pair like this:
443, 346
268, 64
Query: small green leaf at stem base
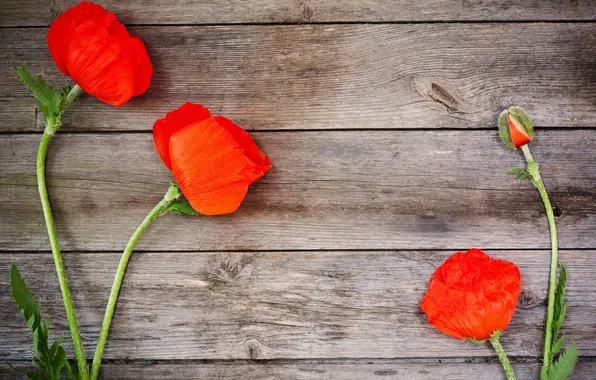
50, 359
562, 368
49, 99
520, 173
182, 207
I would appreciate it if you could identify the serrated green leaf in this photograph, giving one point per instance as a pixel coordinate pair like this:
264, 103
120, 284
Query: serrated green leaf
520, 173
24, 298
560, 295
557, 345
563, 366
182, 207
49, 99
55, 346
51, 359
58, 361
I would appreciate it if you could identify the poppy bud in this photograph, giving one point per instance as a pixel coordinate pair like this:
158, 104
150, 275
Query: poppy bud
472, 296
93, 48
515, 127
213, 160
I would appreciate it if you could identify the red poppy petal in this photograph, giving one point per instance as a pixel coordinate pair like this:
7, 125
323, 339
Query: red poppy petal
188, 113
161, 139
519, 135
208, 165
246, 142
113, 26
95, 61
143, 69
59, 32
174, 121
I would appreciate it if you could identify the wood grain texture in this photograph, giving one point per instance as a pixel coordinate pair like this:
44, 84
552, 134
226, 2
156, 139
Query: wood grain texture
39, 12
335, 76
288, 305
348, 370
327, 190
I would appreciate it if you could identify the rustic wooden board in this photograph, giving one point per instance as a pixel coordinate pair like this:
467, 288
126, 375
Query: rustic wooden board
327, 190
282, 305
313, 370
336, 76
39, 12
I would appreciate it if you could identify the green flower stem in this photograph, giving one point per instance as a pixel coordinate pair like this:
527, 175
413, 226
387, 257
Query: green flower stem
52, 125
494, 340
534, 172
172, 194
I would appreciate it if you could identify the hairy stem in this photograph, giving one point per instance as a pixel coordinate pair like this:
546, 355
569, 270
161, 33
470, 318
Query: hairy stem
172, 194
502, 356
534, 172
52, 125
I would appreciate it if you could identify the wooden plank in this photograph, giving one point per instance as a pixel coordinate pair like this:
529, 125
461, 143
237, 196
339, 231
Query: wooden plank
38, 12
370, 370
327, 190
336, 76
290, 305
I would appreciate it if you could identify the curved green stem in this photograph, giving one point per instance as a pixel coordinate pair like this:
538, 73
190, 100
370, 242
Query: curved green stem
52, 125
171, 195
534, 172
494, 340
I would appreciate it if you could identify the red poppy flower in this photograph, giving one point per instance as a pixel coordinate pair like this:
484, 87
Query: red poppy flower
472, 295
92, 47
213, 160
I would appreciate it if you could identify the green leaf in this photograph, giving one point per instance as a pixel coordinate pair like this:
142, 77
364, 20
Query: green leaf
182, 207
560, 295
562, 368
520, 173
556, 347
560, 305
49, 99
24, 298
50, 359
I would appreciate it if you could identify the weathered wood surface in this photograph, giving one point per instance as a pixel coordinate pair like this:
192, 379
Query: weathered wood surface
327, 190
336, 76
313, 370
283, 305
40, 12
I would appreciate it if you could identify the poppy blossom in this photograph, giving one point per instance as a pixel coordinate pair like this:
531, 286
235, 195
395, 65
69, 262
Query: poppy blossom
515, 127
471, 296
213, 160
92, 47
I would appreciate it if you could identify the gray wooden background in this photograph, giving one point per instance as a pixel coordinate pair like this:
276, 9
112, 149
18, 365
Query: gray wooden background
380, 120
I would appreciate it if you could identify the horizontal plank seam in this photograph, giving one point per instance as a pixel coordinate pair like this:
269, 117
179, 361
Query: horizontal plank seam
341, 361
284, 23
335, 130
369, 250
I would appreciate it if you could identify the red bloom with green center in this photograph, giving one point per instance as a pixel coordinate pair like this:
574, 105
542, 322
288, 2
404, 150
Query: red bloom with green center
471, 296
92, 47
213, 160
